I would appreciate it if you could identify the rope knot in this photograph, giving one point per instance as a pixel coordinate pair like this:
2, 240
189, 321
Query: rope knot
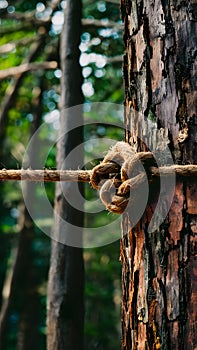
120, 176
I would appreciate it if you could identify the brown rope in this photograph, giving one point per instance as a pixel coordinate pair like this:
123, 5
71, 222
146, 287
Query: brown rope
46, 175
86, 175
117, 189
118, 177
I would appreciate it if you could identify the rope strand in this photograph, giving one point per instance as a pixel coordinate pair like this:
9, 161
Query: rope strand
119, 177
47, 175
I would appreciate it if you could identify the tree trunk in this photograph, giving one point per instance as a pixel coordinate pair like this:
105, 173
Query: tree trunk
66, 275
159, 266
21, 281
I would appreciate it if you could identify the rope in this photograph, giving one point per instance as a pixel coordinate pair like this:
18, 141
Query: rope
118, 177
117, 189
45, 175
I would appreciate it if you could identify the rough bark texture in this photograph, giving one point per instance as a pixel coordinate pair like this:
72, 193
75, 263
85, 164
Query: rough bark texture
159, 279
65, 287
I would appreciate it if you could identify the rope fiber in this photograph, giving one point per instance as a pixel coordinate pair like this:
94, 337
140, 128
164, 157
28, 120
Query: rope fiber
118, 188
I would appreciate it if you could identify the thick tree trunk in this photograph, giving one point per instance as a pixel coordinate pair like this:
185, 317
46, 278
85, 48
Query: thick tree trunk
159, 278
65, 288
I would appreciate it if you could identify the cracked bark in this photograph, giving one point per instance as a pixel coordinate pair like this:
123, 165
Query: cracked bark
159, 278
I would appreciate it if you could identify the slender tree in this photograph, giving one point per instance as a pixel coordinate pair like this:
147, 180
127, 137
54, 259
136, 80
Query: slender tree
20, 283
159, 282
65, 287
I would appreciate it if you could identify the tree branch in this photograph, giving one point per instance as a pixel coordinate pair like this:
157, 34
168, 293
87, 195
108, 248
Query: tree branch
101, 24
28, 19
9, 47
117, 2
86, 22
30, 15
115, 59
12, 89
26, 67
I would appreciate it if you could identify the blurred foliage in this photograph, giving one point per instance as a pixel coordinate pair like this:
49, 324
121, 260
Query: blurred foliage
30, 32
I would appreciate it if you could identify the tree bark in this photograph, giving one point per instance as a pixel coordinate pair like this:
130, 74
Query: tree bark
159, 268
66, 275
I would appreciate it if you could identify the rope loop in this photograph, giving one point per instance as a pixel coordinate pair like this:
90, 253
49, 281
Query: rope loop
119, 176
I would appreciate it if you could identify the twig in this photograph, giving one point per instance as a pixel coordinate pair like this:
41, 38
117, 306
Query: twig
101, 24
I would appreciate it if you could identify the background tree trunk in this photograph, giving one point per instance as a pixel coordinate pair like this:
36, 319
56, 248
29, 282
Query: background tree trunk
66, 275
21, 281
159, 269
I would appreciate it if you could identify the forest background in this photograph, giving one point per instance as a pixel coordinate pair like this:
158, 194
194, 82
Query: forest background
30, 38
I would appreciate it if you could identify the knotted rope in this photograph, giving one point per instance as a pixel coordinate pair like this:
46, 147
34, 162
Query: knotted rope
121, 177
